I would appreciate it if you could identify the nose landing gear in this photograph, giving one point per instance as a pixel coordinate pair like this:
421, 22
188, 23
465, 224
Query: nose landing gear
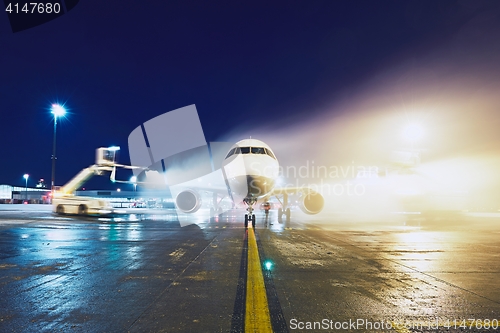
250, 216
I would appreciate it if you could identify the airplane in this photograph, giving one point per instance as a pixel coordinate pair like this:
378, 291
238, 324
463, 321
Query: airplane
170, 153
250, 171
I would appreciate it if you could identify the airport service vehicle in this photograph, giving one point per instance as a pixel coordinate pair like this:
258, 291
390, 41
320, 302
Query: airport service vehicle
65, 202
75, 205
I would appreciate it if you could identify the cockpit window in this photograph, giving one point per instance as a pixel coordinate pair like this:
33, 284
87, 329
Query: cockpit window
231, 152
250, 150
258, 150
270, 153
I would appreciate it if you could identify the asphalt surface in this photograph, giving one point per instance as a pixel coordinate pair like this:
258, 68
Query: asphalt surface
148, 274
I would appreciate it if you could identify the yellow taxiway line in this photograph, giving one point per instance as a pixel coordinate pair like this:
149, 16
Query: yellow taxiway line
257, 317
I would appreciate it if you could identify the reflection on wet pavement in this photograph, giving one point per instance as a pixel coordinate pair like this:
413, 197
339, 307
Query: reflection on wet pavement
144, 272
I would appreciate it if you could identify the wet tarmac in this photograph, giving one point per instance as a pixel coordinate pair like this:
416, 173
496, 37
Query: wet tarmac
146, 273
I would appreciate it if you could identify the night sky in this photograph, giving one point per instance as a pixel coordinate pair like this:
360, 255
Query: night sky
246, 65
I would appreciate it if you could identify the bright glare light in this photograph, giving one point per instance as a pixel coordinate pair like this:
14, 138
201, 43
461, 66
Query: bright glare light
26, 176
114, 148
58, 110
413, 132
133, 179
118, 190
268, 265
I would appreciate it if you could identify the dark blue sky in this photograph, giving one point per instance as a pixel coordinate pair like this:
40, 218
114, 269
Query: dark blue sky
118, 63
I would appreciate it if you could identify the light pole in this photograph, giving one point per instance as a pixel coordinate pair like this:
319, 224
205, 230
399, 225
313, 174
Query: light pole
26, 176
133, 179
57, 111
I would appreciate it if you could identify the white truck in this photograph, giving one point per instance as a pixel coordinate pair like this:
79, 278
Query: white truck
81, 206
65, 202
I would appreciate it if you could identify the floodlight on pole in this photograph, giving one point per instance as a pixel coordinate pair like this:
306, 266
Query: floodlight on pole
26, 176
58, 111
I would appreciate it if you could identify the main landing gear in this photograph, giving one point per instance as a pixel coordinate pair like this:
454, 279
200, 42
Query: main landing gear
215, 212
216, 209
282, 212
285, 210
250, 216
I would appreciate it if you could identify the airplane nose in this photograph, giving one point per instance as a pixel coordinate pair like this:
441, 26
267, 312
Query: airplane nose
259, 185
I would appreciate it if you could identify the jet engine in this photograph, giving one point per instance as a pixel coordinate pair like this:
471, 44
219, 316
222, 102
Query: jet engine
312, 202
188, 201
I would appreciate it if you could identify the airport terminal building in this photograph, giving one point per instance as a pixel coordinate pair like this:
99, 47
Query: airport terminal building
17, 194
119, 199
